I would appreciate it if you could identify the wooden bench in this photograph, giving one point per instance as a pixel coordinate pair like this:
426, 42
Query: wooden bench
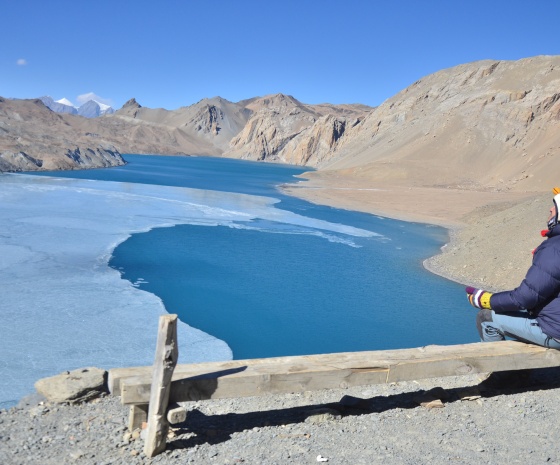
257, 377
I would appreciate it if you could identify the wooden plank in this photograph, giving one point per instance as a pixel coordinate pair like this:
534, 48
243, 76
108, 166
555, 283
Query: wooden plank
483, 358
167, 353
117, 374
243, 378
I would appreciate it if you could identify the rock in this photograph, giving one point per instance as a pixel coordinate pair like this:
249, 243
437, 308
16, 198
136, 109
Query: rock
436, 403
322, 415
432, 398
76, 455
74, 386
38, 411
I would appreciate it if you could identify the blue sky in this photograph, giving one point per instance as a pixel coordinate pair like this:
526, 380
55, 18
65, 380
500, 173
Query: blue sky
173, 53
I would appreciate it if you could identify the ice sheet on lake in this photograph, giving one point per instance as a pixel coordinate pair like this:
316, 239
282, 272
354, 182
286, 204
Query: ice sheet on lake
63, 307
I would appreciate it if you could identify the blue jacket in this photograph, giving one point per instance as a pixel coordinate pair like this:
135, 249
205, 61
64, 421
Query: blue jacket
539, 293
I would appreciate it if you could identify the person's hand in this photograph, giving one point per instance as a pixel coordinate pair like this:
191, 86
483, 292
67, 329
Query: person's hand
478, 298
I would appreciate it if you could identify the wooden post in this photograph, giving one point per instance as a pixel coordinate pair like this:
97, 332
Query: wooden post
167, 353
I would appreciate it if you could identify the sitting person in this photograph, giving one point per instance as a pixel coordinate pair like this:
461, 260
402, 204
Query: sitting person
531, 312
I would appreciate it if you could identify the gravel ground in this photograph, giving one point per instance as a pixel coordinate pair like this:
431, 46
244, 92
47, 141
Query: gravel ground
385, 424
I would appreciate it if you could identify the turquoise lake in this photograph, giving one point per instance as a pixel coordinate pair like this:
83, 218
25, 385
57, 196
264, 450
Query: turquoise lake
271, 288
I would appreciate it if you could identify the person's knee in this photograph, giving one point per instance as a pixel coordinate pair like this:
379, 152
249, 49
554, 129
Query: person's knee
483, 316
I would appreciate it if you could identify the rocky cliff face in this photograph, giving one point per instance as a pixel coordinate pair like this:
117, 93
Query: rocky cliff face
285, 130
315, 145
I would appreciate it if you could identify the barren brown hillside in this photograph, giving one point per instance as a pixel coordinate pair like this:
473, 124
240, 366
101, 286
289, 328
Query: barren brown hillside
32, 137
486, 125
209, 124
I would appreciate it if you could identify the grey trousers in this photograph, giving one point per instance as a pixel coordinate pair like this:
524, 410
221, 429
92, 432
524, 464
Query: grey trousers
519, 325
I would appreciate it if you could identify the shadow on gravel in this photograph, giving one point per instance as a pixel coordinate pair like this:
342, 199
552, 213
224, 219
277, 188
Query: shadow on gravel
213, 429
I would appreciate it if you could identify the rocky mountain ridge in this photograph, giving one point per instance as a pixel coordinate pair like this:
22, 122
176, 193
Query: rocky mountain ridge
487, 125
210, 123
205, 128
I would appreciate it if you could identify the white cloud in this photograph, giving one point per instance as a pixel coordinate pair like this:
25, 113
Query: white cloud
21, 62
83, 98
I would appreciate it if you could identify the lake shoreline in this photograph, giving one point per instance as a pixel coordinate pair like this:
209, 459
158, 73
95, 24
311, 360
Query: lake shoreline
471, 255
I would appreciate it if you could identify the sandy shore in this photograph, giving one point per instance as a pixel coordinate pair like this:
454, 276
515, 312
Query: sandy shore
443, 206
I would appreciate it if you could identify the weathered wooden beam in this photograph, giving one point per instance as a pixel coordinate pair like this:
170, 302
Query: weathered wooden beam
167, 353
243, 378
117, 375
176, 414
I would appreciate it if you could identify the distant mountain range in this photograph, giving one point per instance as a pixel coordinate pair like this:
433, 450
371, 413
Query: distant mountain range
486, 125
90, 109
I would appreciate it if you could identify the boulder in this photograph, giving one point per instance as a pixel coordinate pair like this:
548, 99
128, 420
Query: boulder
75, 386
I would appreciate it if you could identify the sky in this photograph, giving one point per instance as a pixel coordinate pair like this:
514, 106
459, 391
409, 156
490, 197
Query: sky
170, 54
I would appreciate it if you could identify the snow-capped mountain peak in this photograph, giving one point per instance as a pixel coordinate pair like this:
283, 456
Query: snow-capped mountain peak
65, 101
59, 106
90, 109
93, 109
102, 106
